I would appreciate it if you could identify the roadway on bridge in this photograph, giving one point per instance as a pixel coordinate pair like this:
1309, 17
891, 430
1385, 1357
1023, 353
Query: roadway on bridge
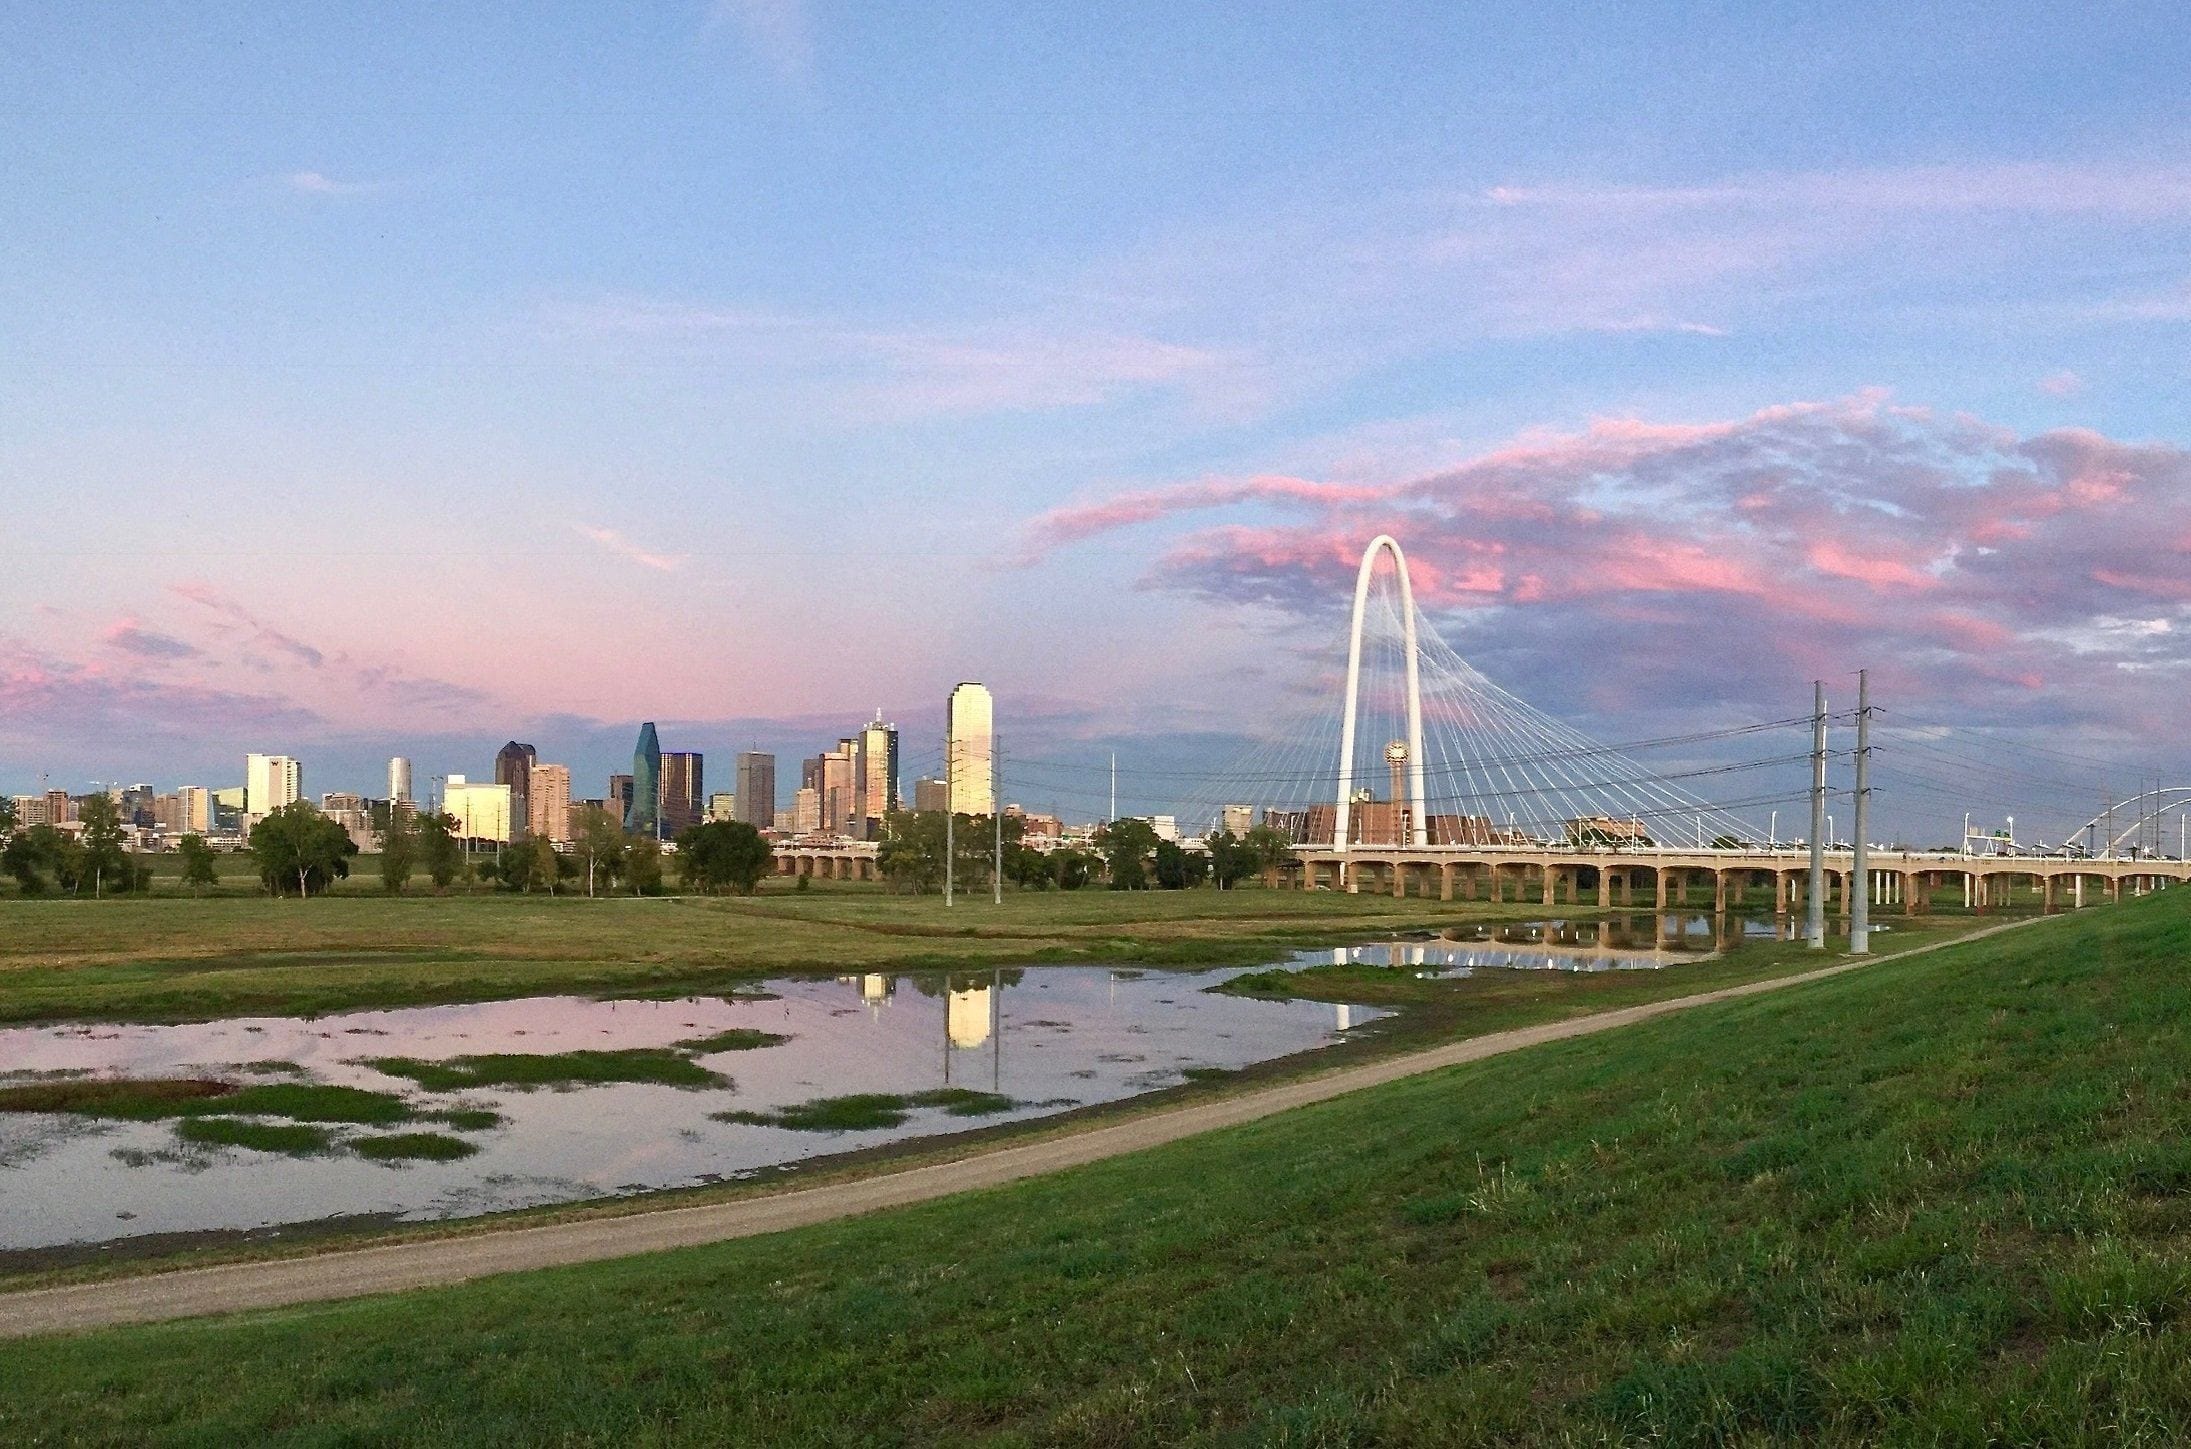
435, 1262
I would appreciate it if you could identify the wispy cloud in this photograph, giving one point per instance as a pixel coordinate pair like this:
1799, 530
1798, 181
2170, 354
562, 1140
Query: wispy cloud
779, 32
2061, 384
2030, 187
235, 618
318, 183
1029, 365
131, 637
615, 543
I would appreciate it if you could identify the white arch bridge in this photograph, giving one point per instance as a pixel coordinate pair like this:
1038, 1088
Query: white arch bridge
1490, 798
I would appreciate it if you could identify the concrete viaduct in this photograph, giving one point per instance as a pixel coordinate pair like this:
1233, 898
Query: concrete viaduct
1659, 878
844, 860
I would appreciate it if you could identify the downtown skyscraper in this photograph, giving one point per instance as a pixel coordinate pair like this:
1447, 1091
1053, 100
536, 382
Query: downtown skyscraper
969, 750
875, 777
757, 789
644, 817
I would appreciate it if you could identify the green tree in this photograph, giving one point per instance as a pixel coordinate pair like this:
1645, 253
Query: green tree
106, 862
297, 847
199, 869
1126, 846
1232, 860
438, 849
1072, 869
643, 866
1270, 848
600, 847
28, 855
723, 855
1179, 869
910, 856
527, 866
1027, 867
66, 853
399, 842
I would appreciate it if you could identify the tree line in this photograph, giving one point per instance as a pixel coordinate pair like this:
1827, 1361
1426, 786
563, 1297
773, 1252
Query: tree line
1124, 855
298, 851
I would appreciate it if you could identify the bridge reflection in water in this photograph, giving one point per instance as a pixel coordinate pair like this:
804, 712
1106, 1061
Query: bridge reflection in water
1634, 942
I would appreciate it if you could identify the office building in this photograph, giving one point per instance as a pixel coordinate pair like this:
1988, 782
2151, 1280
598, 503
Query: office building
875, 777
644, 817
969, 750
270, 782
618, 803
722, 807
513, 766
836, 783
548, 802
350, 812
1236, 819
757, 789
135, 805
931, 795
683, 791
806, 811
399, 780
481, 811
29, 810
189, 811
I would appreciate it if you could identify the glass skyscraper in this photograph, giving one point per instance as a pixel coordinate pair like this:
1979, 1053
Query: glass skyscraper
645, 815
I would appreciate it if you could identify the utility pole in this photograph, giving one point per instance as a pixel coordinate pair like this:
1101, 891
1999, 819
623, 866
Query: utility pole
1860, 864
1114, 785
950, 817
1814, 902
996, 814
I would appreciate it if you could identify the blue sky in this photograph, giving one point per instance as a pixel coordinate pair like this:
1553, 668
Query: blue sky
727, 362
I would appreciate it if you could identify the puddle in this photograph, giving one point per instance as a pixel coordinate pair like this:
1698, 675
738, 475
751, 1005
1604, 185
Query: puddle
1046, 1038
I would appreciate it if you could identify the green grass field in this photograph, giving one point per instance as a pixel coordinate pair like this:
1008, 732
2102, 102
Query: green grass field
1941, 1200
183, 959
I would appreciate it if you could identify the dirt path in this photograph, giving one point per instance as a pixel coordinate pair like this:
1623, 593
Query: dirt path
351, 1273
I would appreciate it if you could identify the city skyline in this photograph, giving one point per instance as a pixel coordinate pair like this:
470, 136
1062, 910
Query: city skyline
1883, 366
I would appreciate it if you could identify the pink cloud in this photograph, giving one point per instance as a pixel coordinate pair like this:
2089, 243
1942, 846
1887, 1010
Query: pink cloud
615, 543
1737, 556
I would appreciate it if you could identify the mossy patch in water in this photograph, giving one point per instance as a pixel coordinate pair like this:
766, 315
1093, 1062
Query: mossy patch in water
736, 1039
868, 1111
317, 1102
294, 1139
151, 1098
141, 1099
413, 1147
467, 1119
661, 1066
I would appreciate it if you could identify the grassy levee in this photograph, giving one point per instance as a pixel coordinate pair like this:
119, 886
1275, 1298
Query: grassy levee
1941, 1199
171, 959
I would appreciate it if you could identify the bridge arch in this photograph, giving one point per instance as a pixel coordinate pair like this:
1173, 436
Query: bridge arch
1419, 831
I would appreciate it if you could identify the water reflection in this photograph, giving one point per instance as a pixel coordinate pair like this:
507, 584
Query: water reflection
1633, 942
1048, 1039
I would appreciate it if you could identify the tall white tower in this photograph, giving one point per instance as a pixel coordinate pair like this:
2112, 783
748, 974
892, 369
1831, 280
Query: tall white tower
399, 779
970, 750
1418, 832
